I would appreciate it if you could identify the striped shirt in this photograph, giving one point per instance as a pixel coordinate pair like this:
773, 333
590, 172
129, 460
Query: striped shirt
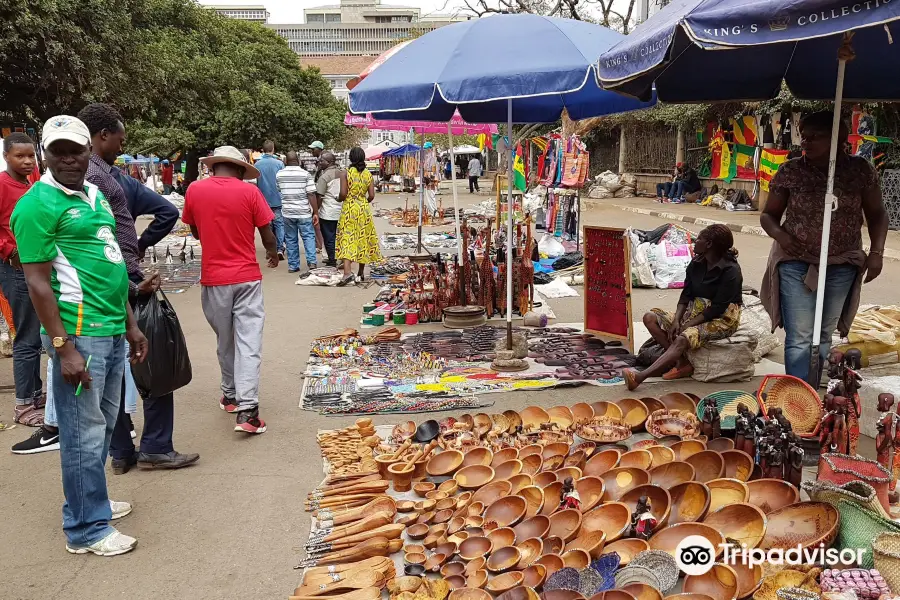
295, 185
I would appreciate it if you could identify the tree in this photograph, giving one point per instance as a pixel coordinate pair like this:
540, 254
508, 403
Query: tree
602, 12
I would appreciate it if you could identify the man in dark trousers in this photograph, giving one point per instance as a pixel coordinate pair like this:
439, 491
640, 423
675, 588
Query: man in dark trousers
129, 199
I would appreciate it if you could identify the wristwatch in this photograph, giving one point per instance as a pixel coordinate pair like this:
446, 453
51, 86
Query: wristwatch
59, 342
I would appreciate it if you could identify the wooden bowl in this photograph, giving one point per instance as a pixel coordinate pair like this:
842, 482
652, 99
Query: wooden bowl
678, 401
483, 424
477, 456
556, 448
529, 549
690, 502
660, 502
721, 444
408, 519
551, 463
708, 465
455, 524
590, 489
474, 521
514, 419
476, 564
442, 516
434, 562
771, 494
534, 497
475, 547
576, 458
478, 579
453, 568
520, 481
551, 498
405, 506
606, 409
561, 416
474, 531
613, 595
634, 412
576, 558
688, 597
744, 523
501, 456
545, 478
573, 472
474, 476
474, 509
726, 491
749, 579
448, 549
446, 503
653, 404
807, 524
686, 448
591, 542
414, 558
619, 480
612, 518
534, 575
467, 593
601, 462
552, 544
504, 582
520, 592
565, 524
449, 487
582, 412
426, 516
506, 511
668, 539
456, 582
738, 465
491, 492
642, 591
531, 464
537, 526
503, 559
533, 417
720, 583
530, 450
660, 455
552, 563
627, 549
436, 495
561, 594
444, 463
414, 548
636, 459
671, 474
422, 488
417, 531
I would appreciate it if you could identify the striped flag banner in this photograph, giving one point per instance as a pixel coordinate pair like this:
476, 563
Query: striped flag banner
768, 165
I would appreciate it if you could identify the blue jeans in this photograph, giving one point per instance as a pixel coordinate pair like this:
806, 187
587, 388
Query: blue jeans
27, 343
670, 189
294, 230
798, 308
329, 235
278, 228
86, 424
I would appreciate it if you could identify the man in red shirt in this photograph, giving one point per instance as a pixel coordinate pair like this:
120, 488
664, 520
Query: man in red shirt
167, 173
18, 151
224, 212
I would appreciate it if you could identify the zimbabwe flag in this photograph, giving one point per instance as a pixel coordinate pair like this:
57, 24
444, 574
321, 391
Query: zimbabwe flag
768, 166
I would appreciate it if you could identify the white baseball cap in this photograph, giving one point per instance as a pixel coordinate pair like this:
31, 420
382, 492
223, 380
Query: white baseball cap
64, 127
318, 145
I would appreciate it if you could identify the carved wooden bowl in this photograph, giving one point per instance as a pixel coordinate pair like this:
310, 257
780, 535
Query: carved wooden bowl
467, 593
660, 502
417, 531
561, 416
529, 450
453, 568
475, 547
503, 559
537, 526
807, 524
552, 562
690, 502
474, 476
531, 464
506, 511
507, 469
637, 459
552, 498
444, 463
533, 417
601, 462
772, 494
686, 448
501, 456
634, 412
456, 582
720, 583
642, 591
573, 472
576, 459
723, 492
741, 523
720, 444
554, 449
544, 478
613, 595
612, 518
692, 596
627, 549
668, 539
590, 489
678, 401
618, 481
503, 536
478, 456
591, 542
673, 422
708, 465
660, 455
738, 465
565, 524
551, 463
606, 409
504, 582
534, 497
491, 492
671, 474
476, 564
529, 550
514, 419
535, 575
749, 579
552, 544
520, 481
449, 487
520, 592
478, 579
561, 594
576, 558
653, 404
582, 412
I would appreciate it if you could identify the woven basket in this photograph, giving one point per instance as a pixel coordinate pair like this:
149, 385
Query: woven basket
842, 468
855, 491
727, 401
859, 527
886, 551
799, 403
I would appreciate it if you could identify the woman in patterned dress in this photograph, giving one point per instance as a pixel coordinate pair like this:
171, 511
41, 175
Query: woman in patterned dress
709, 308
357, 240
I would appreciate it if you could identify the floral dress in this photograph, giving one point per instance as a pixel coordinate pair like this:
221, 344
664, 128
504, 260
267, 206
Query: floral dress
357, 240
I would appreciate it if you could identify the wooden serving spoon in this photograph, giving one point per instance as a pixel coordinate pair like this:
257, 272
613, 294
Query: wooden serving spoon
361, 579
376, 546
323, 575
372, 593
344, 484
376, 520
389, 532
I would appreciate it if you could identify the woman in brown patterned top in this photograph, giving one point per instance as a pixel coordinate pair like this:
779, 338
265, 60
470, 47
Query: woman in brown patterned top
793, 217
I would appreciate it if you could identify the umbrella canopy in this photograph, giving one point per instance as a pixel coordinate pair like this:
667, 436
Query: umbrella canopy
768, 40
373, 152
457, 124
466, 150
542, 64
402, 150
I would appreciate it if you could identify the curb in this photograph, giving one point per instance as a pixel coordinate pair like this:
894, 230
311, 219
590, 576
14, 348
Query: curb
756, 230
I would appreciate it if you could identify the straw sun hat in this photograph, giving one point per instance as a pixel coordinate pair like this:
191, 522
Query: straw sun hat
230, 154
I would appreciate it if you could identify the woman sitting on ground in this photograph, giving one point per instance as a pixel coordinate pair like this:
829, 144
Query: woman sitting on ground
709, 308
356, 240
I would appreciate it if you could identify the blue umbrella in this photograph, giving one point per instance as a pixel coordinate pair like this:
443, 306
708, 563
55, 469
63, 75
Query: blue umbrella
755, 46
516, 68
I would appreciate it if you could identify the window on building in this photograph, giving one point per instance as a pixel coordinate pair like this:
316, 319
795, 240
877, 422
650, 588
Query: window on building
333, 18
320, 18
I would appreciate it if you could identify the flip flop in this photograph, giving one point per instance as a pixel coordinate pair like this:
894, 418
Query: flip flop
676, 373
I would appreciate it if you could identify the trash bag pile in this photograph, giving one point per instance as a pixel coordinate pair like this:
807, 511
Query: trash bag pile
659, 257
611, 185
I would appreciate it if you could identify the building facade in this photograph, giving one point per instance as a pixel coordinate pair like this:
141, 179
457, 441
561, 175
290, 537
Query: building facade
256, 13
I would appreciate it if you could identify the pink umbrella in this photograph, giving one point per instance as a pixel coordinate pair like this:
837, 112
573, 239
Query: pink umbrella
457, 125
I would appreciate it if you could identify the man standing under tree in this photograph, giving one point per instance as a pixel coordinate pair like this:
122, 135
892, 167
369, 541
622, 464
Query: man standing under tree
268, 166
66, 235
223, 212
298, 193
107, 139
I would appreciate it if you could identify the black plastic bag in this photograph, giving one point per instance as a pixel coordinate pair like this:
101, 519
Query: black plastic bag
168, 366
570, 259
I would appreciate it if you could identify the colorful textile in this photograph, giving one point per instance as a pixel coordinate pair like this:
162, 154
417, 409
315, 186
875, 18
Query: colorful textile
744, 130
356, 237
718, 329
723, 167
519, 170
769, 162
743, 159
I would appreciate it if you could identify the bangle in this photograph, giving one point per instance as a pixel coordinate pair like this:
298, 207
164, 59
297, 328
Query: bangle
878, 252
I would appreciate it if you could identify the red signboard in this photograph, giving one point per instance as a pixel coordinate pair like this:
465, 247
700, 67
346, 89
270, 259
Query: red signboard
607, 283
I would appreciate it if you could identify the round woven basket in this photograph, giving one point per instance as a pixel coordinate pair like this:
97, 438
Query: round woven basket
799, 403
727, 402
886, 551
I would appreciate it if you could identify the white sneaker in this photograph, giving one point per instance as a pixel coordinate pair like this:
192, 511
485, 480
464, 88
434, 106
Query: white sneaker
112, 545
119, 509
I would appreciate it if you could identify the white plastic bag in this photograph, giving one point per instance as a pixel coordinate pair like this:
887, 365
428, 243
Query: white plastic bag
550, 246
669, 263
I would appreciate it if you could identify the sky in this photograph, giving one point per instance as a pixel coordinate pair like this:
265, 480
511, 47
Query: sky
291, 11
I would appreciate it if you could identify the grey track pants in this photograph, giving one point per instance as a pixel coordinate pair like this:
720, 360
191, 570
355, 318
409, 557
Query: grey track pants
236, 313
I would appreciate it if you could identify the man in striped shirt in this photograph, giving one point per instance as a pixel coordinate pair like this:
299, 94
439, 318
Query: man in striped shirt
300, 211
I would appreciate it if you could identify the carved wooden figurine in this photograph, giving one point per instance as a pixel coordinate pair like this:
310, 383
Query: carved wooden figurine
711, 426
794, 464
568, 496
775, 461
827, 426
642, 520
851, 383
740, 428
842, 433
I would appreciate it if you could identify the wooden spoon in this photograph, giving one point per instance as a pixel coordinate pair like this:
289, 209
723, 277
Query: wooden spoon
376, 546
369, 523
355, 580
389, 532
380, 504
372, 593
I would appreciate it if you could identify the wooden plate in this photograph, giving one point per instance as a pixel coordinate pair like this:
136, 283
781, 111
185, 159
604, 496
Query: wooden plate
690, 502
726, 491
769, 494
743, 522
618, 481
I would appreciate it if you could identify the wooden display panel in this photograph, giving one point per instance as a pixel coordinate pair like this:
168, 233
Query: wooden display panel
607, 284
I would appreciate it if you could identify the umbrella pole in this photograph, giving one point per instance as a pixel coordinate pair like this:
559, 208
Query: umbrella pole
421, 189
815, 359
509, 226
459, 239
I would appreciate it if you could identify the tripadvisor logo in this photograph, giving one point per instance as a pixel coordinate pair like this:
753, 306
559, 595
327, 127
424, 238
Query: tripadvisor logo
695, 555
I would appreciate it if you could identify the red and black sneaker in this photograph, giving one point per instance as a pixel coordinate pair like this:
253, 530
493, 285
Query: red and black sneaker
248, 421
229, 405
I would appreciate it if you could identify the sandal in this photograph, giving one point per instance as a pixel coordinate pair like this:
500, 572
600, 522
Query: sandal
676, 373
347, 279
29, 415
630, 382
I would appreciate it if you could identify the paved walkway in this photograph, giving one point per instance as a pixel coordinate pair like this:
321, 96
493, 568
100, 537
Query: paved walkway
739, 222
